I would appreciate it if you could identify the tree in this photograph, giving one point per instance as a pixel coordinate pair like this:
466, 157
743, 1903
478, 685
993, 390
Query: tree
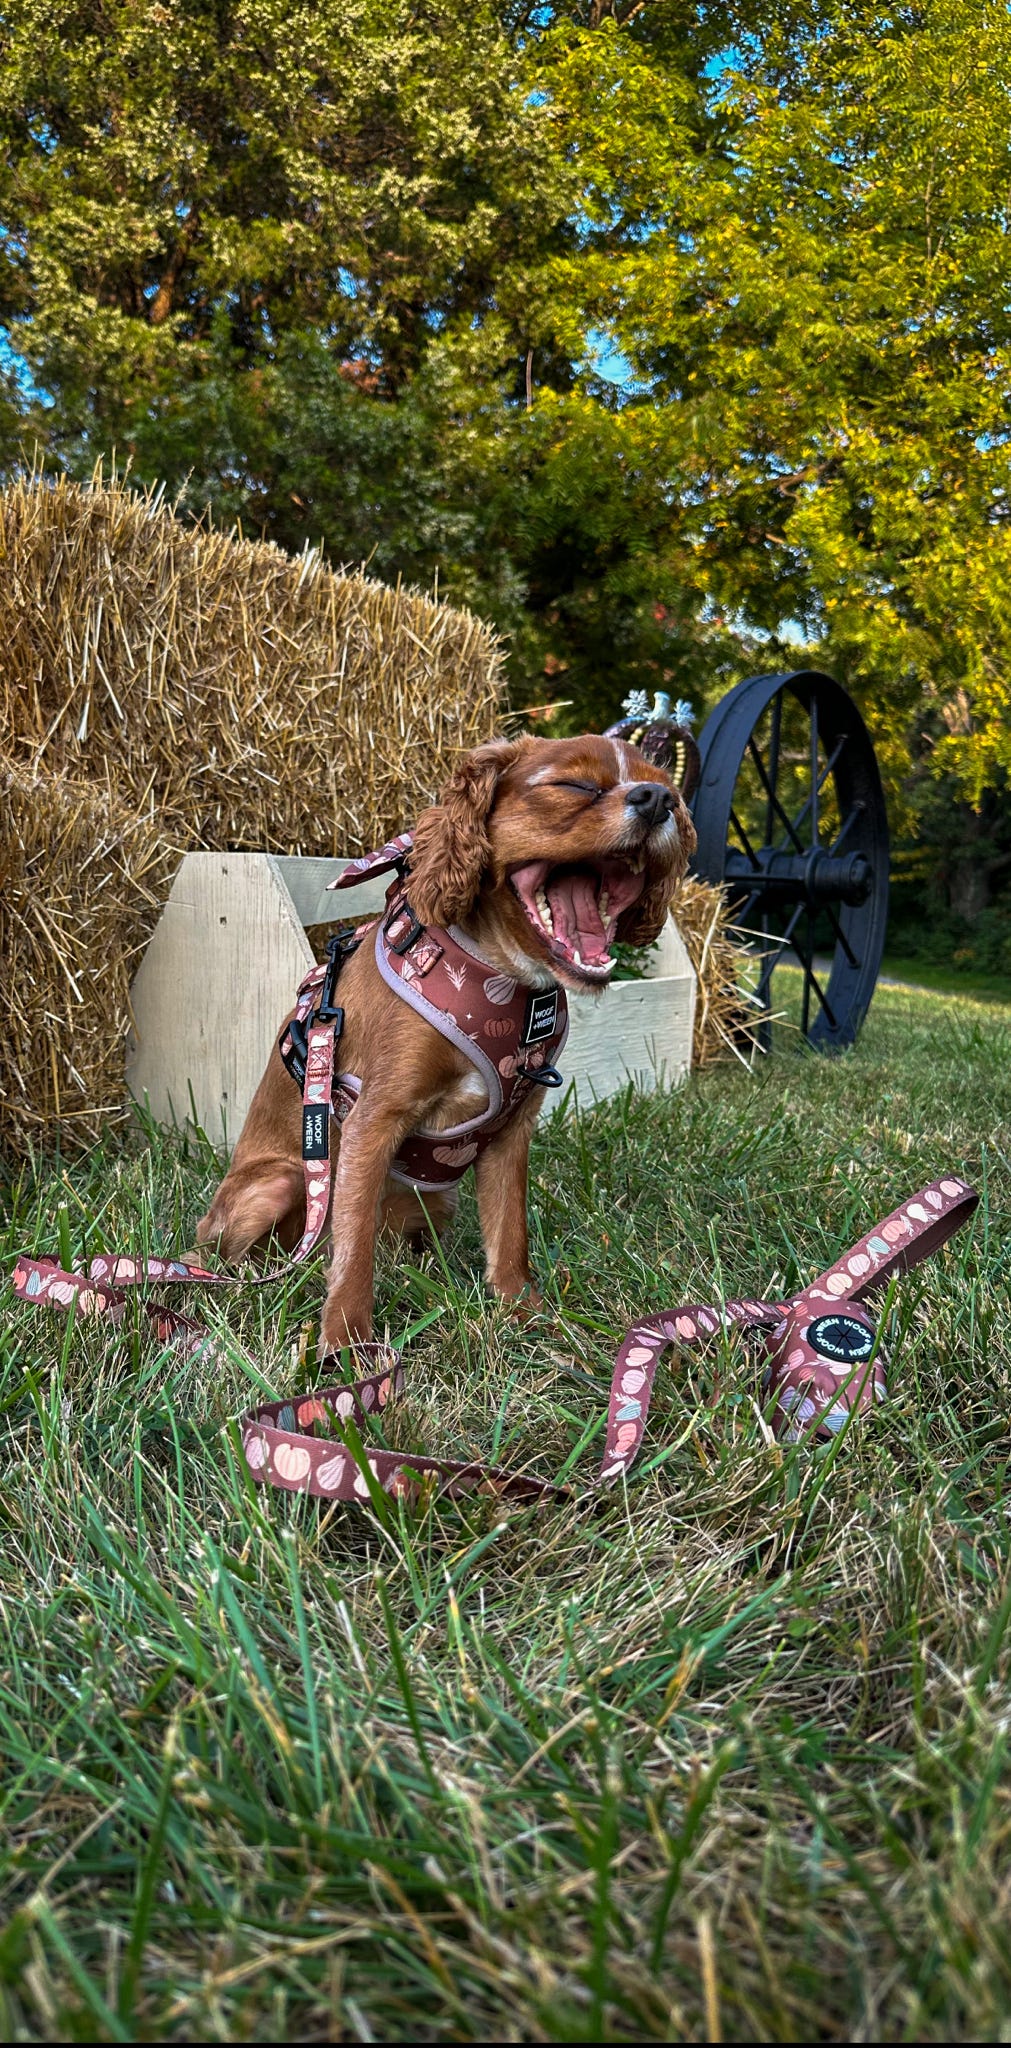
836, 331
811, 447
672, 337
182, 177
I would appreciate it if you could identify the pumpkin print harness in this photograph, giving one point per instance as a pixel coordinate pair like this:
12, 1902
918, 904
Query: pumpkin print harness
509, 1033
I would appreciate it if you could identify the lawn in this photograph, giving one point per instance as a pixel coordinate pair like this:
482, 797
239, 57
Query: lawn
722, 1755
948, 979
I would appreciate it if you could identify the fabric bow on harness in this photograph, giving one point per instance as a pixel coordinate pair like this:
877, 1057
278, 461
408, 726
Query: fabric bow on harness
823, 1362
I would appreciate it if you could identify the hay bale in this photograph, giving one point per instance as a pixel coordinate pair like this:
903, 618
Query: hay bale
258, 701
727, 1014
81, 880
168, 687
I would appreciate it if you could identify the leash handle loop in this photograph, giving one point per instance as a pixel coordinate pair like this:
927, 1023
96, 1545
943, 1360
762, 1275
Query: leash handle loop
820, 1363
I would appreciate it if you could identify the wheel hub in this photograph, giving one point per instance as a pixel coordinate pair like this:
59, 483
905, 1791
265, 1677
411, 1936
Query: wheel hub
816, 878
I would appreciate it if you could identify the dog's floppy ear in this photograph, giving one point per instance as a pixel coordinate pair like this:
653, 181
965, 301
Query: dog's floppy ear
451, 840
642, 923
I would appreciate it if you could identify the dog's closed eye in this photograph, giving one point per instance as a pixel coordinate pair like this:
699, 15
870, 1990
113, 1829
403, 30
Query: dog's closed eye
590, 788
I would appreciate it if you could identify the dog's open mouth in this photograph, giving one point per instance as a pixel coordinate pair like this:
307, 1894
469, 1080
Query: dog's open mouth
574, 908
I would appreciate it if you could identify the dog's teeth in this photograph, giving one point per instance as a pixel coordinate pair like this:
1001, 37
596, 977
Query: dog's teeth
577, 956
602, 905
544, 912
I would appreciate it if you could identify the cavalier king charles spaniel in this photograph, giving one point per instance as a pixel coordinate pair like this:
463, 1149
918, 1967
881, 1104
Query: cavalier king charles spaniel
543, 853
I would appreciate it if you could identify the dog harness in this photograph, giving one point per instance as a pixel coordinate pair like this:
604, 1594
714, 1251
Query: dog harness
509, 1033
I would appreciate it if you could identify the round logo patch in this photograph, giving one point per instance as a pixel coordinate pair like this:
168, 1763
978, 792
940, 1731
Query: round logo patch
841, 1337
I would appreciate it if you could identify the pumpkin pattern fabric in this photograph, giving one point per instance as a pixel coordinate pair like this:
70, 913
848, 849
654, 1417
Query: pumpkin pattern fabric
441, 975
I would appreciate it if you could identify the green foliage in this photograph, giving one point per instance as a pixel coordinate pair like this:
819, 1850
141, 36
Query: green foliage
856, 319
675, 339
363, 169
327, 270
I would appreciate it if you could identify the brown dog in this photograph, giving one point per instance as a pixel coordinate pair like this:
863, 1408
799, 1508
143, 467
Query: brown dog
542, 852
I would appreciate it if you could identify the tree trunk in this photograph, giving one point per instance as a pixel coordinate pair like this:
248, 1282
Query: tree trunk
969, 870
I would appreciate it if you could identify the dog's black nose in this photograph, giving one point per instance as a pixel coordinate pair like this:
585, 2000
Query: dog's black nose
650, 801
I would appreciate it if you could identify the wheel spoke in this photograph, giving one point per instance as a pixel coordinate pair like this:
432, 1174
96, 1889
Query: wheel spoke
845, 829
841, 936
745, 841
820, 993
744, 909
762, 991
784, 944
777, 721
775, 953
815, 784
811, 982
805, 807
773, 798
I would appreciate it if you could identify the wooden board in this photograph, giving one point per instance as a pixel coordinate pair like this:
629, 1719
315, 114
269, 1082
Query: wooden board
313, 903
230, 948
218, 976
639, 1031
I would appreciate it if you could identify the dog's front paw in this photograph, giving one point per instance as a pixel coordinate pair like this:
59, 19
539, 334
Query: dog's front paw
342, 1329
522, 1300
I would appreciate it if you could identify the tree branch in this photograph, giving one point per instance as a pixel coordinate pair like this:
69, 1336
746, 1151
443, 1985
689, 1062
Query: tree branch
161, 304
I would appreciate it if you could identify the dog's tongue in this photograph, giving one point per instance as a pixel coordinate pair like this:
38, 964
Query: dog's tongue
576, 915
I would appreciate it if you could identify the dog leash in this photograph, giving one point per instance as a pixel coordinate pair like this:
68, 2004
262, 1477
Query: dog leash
100, 1289
823, 1362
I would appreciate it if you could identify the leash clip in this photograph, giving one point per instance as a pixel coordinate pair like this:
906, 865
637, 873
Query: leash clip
545, 1077
338, 949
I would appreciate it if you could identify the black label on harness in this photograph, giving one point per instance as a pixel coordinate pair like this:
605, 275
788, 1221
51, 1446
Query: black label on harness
315, 1132
541, 1018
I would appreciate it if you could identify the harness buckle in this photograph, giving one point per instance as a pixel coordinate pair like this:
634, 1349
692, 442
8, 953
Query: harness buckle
411, 936
326, 1009
298, 1049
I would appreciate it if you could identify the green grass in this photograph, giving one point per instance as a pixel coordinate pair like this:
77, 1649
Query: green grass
948, 980
726, 1753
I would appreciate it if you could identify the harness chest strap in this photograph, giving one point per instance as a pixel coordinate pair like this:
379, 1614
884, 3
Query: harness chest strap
510, 1034
279, 1438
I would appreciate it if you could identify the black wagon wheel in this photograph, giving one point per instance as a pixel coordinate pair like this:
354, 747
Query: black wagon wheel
790, 814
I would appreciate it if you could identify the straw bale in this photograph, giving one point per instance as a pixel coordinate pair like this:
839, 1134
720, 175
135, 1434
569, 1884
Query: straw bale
166, 687
258, 700
81, 879
727, 1014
